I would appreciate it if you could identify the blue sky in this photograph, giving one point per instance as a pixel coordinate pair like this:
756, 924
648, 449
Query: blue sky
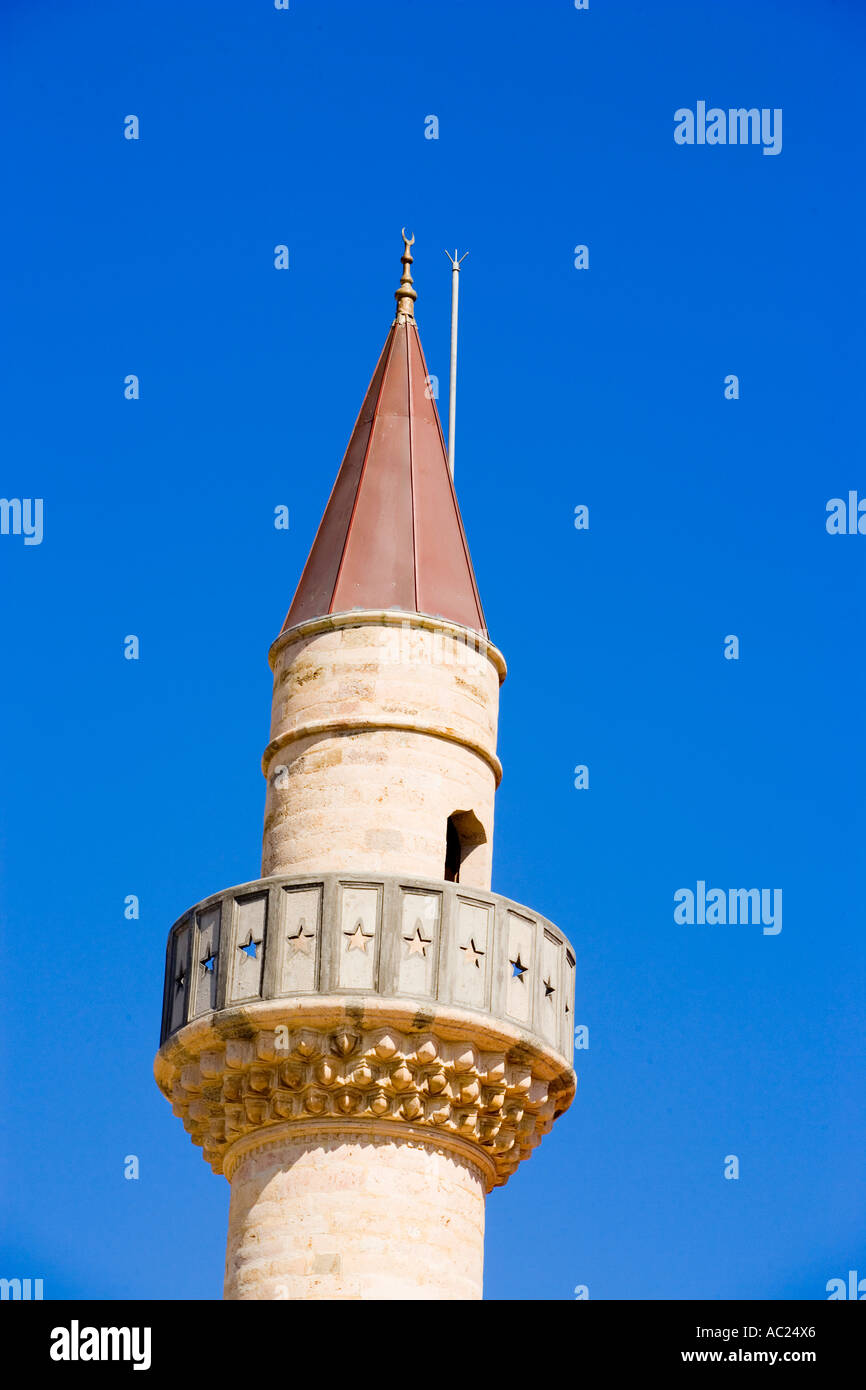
602, 387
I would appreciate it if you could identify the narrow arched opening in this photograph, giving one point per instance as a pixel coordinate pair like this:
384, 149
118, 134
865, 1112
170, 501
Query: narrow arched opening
463, 834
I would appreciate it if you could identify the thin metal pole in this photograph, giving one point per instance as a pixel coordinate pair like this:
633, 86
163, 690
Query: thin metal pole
452, 402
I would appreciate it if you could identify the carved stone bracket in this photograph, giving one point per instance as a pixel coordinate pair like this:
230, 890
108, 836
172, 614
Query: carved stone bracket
448, 1079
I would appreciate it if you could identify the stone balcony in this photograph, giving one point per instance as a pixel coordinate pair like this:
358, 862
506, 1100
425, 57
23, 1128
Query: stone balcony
420, 939
343, 1001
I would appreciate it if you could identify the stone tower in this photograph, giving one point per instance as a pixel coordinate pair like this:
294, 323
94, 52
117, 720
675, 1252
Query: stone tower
366, 1039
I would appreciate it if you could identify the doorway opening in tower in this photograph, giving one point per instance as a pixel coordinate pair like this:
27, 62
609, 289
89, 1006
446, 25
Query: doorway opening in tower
463, 835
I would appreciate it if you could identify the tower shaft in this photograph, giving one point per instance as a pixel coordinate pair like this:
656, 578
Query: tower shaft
383, 728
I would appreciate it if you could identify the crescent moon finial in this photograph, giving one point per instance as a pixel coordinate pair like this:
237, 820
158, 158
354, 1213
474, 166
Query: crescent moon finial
406, 294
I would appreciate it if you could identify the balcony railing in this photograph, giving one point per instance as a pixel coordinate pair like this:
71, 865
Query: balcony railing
401, 938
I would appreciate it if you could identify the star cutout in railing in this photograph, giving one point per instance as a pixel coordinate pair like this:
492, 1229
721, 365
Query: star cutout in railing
180, 979
518, 969
357, 938
472, 954
301, 939
548, 989
418, 942
250, 947
209, 962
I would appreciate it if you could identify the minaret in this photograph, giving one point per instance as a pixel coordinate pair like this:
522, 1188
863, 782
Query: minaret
366, 1039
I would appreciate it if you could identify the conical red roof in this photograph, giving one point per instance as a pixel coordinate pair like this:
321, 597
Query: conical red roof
391, 535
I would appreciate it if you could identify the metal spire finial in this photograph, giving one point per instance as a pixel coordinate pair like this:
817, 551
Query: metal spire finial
406, 294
